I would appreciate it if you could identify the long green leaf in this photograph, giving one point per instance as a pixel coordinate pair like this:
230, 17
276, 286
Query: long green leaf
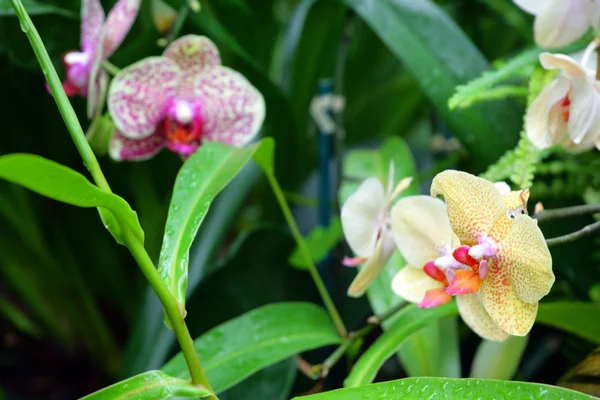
574, 317
440, 57
445, 388
498, 360
199, 181
242, 346
60, 183
34, 7
150, 385
407, 322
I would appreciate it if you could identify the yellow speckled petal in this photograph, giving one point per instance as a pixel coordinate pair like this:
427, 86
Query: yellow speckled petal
384, 249
421, 228
525, 255
475, 316
474, 204
412, 283
515, 203
500, 301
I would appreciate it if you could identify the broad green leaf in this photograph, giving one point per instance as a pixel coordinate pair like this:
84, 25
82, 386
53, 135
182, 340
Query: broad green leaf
447, 388
60, 183
440, 57
408, 321
272, 383
574, 317
36, 7
240, 347
150, 385
319, 242
498, 360
199, 181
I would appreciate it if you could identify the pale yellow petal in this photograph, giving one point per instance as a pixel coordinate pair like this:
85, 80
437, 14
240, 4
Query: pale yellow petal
474, 204
500, 300
514, 203
472, 312
421, 228
412, 283
562, 22
525, 255
383, 251
566, 64
361, 216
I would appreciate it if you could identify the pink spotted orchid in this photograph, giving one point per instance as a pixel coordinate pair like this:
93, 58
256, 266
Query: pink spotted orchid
567, 111
479, 246
560, 22
179, 100
100, 37
366, 225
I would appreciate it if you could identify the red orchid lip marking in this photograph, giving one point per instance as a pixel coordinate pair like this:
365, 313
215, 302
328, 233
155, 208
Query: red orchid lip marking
461, 254
435, 273
434, 298
464, 281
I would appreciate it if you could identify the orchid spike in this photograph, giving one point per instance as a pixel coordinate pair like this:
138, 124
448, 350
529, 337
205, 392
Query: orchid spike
560, 22
100, 37
179, 100
567, 111
366, 225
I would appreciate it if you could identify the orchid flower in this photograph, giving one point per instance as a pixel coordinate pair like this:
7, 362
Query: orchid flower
100, 37
366, 225
560, 22
480, 247
179, 100
567, 111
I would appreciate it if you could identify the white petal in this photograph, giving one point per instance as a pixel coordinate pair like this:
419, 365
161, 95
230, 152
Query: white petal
562, 22
503, 187
361, 216
537, 120
412, 283
566, 64
583, 109
421, 228
531, 6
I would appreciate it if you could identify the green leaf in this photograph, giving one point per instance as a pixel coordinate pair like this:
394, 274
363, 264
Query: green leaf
440, 57
272, 383
242, 346
319, 242
18, 319
199, 181
60, 183
498, 360
149, 386
574, 317
408, 321
35, 7
447, 388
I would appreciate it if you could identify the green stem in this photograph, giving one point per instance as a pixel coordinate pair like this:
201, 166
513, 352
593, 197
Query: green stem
312, 268
67, 112
172, 310
182, 15
110, 67
567, 212
571, 237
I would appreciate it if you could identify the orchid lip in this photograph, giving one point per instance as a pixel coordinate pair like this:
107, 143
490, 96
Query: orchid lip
76, 57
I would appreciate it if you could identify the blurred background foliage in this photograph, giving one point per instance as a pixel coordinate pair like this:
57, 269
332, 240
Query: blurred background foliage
397, 62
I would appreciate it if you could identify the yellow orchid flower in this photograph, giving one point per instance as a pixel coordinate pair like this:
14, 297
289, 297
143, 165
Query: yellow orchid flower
479, 246
366, 225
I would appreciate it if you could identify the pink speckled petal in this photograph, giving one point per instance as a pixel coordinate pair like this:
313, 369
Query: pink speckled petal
98, 79
122, 148
233, 110
118, 24
193, 53
92, 18
139, 95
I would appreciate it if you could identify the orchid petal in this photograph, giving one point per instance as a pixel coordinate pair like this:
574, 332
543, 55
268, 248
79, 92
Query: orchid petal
501, 302
472, 312
232, 110
525, 255
474, 204
193, 54
412, 283
464, 281
360, 216
515, 203
583, 109
540, 131
98, 79
118, 23
562, 22
421, 228
123, 148
139, 95
92, 19
595, 16
434, 298
531, 6
383, 251
566, 64
502, 187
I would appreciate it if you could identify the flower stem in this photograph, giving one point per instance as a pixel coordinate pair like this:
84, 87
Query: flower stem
567, 212
571, 237
110, 67
312, 268
182, 15
62, 101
